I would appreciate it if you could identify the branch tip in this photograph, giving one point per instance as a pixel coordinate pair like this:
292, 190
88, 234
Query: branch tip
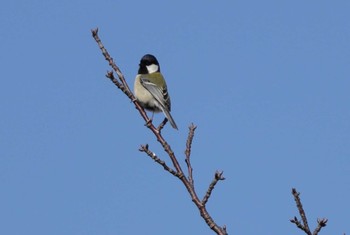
218, 175
192, 126
294, 192
143, 148
109, 74
322, 222
94, 32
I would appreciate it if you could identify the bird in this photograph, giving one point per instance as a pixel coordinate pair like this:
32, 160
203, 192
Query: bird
150, 88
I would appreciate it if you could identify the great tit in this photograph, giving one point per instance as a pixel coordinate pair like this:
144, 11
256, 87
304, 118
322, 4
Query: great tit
150, 88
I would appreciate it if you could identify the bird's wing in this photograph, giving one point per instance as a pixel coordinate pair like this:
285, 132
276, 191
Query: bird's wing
161, 96
156, 92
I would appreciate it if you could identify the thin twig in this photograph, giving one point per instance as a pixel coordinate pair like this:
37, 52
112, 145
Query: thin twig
320, 224
304, 225
297, 223
144, 148
109, 59
192, 128
218, 176
110, 75
162, 124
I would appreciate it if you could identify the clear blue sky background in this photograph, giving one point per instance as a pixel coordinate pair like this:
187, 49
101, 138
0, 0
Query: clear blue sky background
267, 83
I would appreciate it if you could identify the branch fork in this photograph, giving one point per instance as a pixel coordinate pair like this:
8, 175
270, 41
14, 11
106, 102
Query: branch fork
303, 224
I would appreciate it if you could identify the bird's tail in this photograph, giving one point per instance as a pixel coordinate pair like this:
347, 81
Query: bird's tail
170, 118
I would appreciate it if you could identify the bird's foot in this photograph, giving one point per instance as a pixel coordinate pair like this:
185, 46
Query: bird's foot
149, 123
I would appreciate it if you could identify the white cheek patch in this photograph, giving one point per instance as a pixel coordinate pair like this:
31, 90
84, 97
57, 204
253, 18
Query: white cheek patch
152, 68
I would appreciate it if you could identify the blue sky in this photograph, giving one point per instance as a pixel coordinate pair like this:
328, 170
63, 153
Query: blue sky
266, 82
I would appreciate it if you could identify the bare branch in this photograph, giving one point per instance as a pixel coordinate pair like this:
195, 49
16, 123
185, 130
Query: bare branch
162, 124
110, 75
123, 85
297, 223
144, 148
177, 171
110, 60
218, 176
191, 128
320, 224
304, 225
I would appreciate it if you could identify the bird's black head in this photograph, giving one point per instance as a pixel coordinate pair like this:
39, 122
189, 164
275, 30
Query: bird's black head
149, 64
